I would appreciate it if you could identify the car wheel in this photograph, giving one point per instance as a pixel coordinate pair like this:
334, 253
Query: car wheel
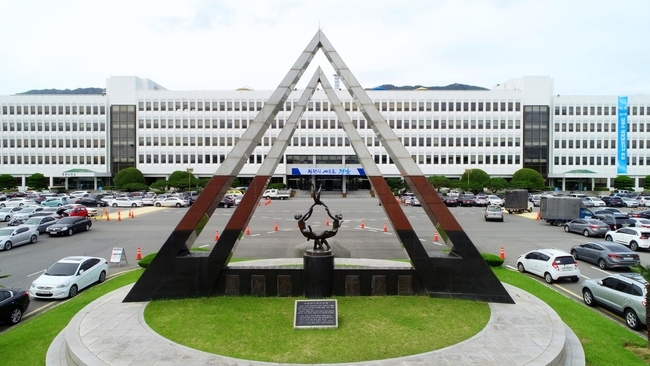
33, 239
59, 205
575, 279
559, 223
73, 291
178, 205
602, 264
70, 232
7, 218
87, 227
102, 277
115, 205
99, 205
588, 297
158, 204
15, 316
634, 246
566, 228
486, 219
520, 268
586, 233
134, 205
574, 253
8, 245
609, 238
631, 319
548, 278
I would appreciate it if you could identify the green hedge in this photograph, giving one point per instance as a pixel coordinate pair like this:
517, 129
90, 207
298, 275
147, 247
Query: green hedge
492, 260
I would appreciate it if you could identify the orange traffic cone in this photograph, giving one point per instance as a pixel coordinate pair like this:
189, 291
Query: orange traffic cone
259, 203
538, 215
385, 228
363, 225
248, 230
133, 214
138, 256
435, 237
503, 254
327, 221
276, 226
108, 218
119, 217
216, 235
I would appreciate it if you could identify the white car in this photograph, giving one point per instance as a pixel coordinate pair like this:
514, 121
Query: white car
172, 202
14, 236
493, 212
629, 202
495, 200
596, 201
641, 222
18, 202
26, 212
633, 237
551, 264
7, 213
124, 202
148, 200
80, 194
68, 276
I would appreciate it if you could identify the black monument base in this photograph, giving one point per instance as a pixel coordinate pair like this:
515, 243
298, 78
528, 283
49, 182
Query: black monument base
319, 273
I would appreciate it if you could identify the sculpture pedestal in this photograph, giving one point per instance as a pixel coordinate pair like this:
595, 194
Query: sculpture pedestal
319, 273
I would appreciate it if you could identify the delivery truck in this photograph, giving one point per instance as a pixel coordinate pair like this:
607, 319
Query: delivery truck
516, 201
559, 210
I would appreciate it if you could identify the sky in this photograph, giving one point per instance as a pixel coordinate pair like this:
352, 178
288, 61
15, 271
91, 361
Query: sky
588, 47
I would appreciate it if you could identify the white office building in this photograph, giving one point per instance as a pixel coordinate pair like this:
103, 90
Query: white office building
81, 141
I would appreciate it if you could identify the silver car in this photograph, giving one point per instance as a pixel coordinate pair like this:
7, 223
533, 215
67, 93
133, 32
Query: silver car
623, 293
587, 227
14, 236
606, 254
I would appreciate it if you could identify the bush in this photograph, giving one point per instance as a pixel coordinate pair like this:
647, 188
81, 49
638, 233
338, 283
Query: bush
601, 189
146, 260
492, 260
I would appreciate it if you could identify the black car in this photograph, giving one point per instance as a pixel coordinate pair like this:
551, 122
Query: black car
13, 304
227, 202
642, 214
92, 202
467, 200
615, 202
70, 225
607, 219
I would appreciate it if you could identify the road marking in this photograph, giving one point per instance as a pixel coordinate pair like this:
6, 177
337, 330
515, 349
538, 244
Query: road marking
568, 291
34, 274
600, 270
254, 235
203, 246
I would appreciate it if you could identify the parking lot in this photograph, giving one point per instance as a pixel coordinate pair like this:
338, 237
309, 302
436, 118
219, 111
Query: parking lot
273, 233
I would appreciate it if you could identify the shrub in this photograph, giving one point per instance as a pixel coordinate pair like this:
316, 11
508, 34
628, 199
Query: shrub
601, 189
146, 260
492, 260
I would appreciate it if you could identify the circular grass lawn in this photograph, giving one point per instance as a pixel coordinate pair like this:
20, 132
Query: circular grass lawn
370, 328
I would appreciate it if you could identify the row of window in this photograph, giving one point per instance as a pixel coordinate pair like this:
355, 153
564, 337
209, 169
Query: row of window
599, 144
98, 110
599, 110
35, 143
598, 160
53, 126
324, 106
54, 160
599, 127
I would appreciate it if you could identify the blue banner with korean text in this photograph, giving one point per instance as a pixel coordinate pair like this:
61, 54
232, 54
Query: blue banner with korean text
621, 156
328, 171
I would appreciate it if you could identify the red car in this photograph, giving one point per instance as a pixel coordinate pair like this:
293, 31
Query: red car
80, 211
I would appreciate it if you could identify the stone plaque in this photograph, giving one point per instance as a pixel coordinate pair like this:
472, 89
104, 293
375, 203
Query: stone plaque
258, 285
310, 314
284, 285
352, 285
232, 285
378, 285
404, 286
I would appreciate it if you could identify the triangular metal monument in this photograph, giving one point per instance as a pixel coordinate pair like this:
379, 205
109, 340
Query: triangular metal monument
176, 272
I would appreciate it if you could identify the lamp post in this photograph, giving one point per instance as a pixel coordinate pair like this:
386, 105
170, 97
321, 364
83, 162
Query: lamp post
189, 177
468, 172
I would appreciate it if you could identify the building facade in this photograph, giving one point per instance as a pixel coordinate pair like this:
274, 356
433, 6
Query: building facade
81, 141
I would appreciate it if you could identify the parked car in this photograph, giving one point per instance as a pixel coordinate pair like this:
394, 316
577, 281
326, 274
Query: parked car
623, 293
148, 200
587, 227
467, 200
632, 237
13, 304
68, 276
125, 202
606, 254
69, 226
76, 211
641, 222
26, 213
587, 202
450, 201
493, 212
551, 264
14, 236
172, 202
641, 214
7, 213
481, 200
40, 223
18, 202
608, 219
91, 202
630, 202
495, 200
614, 201
227, 202
608, 210
80, 194
596, 202
55, 201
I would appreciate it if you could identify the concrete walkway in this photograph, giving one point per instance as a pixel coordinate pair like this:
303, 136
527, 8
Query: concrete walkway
110, 332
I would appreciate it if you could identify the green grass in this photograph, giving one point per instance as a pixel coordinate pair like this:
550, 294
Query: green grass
605, 341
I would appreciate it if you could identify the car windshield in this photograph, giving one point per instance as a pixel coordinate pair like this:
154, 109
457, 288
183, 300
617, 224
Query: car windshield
494, 208
62, 269
6, 231
33, 221
67, 220
6, 209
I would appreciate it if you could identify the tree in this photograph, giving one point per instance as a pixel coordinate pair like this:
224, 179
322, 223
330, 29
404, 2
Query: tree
7, 181
623, 182
474, 180
496, 184
527, 178
128, 176
644, 271
454, 183
159, 185
438, 181
395, 184
37, 181
181, 179
646, 183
